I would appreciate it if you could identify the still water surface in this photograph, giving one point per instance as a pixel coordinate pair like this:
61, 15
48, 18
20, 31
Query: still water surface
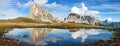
50, 36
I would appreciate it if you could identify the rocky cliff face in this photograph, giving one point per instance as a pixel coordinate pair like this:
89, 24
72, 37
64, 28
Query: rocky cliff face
39, 14
72, 17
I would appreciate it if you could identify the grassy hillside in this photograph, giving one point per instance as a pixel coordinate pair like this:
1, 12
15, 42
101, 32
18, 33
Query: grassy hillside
19, 20
23, 22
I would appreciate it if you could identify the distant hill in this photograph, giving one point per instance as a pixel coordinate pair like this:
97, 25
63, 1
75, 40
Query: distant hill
111, 24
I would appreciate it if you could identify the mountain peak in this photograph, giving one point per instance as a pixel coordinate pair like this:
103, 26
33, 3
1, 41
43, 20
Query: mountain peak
73, 17
37, 13
34, 5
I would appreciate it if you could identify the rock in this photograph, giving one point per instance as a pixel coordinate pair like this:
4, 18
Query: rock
39, 14
72, 17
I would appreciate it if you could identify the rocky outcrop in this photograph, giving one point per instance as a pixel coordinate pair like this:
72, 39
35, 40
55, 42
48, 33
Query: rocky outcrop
39, 14
72, 17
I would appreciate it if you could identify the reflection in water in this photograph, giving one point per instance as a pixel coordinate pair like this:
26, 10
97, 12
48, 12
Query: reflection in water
83, 33
37, 33
49, 36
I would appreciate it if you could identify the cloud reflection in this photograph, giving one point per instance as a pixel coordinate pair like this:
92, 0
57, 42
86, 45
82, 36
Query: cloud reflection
83, 33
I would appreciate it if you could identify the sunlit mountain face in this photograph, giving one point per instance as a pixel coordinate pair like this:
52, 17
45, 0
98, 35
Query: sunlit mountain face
49, 36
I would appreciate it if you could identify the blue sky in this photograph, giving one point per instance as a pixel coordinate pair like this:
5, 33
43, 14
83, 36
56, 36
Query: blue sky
60, 8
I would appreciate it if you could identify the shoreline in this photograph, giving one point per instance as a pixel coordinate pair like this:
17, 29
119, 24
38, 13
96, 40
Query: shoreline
51, 25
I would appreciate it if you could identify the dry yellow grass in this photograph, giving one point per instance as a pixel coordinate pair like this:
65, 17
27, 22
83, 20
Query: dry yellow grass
53, 25
23, 22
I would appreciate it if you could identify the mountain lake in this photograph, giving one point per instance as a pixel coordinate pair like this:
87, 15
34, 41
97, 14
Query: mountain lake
58, 37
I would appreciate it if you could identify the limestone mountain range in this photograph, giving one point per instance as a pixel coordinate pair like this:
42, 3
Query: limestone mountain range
39, 14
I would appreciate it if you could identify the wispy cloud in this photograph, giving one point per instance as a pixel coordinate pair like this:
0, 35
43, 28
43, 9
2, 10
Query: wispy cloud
42, 3
7, 3
7, 10
26, 5
110, 13
107, 6
9, 13
54, 5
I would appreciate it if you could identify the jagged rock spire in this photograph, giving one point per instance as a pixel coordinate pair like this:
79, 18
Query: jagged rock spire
39, 14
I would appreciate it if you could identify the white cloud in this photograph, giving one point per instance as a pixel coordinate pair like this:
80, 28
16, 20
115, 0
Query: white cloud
53, 5
6, 3
109, 19
3, 2
26, 5
80, 11
59, 14
92, 13
84, 11
7, 10
9, 13
19, 5
84, 8
110, 12
107, 6
75, 10
42, 3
